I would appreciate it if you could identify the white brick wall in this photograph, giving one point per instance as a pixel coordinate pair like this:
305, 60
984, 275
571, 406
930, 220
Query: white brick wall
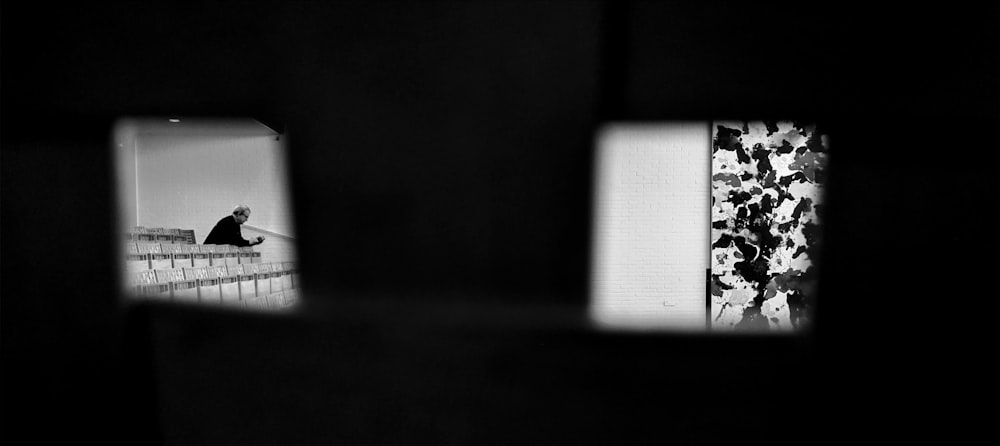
651, 226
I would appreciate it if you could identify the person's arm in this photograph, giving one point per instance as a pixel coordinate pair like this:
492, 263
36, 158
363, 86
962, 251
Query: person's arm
238, 239
253, 241
235, 236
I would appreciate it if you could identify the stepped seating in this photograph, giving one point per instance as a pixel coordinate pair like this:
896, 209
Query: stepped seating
182, 289
146, 286
157, 258
160, 235
209, 290
275, 300
216, 253
263, 275
135, 261
246, 255
229, 283
158, 268
144, 237
232, 257
202, 257
180, 255
293, 274
247, 282
277, 284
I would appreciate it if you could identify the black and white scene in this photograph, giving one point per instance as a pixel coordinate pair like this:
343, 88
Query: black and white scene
499, 222
175, 178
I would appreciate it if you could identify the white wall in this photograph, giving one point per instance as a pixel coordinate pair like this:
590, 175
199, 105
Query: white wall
123, 148
192, 180
651, 227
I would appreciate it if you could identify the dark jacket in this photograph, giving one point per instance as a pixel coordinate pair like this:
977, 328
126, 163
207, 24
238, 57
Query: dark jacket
226, 232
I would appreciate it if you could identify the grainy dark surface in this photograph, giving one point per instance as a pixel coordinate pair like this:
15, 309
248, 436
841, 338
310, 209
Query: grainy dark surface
441, 166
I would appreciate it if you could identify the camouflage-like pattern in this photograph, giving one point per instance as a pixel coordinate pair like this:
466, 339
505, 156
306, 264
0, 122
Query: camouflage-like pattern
767, 185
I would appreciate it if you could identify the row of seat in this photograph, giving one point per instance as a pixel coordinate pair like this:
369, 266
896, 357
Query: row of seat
225, 284
161, 235
160, 238
143, 256
281, 300
143, 229
168, 265
273, 301
152, 247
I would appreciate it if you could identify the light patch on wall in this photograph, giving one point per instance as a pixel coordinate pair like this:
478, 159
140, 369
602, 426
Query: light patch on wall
176, 178
651, 226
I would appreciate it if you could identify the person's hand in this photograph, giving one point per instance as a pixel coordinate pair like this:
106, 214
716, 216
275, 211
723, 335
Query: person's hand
260, 239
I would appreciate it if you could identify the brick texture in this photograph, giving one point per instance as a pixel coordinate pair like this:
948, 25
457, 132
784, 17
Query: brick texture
651, 227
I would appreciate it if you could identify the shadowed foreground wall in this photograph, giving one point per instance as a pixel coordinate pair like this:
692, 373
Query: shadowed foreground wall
458, 139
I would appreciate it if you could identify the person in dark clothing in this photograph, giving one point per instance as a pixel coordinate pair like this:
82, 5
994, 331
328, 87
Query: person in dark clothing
227, 230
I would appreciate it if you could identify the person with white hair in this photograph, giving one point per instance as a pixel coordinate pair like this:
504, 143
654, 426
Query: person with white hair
227, 231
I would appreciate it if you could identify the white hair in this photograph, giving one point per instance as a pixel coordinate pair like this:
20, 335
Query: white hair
241, 209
